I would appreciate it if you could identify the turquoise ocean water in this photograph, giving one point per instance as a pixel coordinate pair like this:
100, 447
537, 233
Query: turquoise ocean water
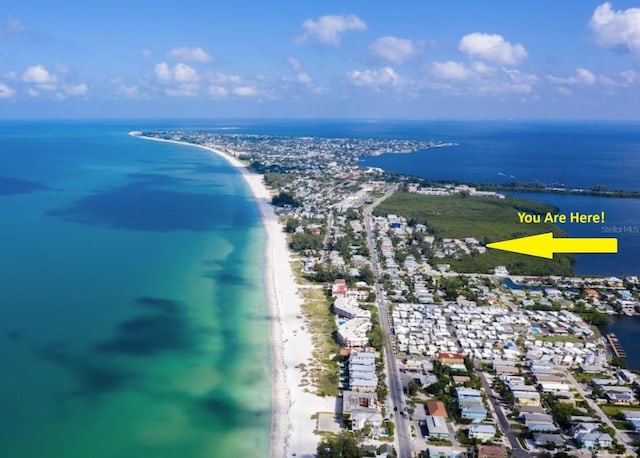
132, 305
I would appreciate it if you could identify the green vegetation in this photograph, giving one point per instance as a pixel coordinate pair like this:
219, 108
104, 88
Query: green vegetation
323, 372
487, 220
301, 241
613, 412
618, 361
623, 425
592, 316
584, 377
548, 338
561, 411
277, 180
376, 334
342, 445
284, 198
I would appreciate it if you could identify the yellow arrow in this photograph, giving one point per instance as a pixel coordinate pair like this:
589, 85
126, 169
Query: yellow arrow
544, 245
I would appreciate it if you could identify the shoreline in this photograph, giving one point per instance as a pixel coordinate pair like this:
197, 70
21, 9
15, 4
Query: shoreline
291, 406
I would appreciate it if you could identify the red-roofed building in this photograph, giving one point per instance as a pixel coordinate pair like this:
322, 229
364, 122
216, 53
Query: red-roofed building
436, 409
339, 288
451, 359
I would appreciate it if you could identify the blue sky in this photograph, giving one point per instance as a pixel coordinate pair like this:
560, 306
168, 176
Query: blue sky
306, 59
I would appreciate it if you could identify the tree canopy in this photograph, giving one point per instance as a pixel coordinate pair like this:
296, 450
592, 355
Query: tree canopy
341, 446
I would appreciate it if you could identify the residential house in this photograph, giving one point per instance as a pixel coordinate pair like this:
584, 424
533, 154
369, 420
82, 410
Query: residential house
361, 409
436, 409
477, 413
437, 427
593, 441
543, 439
434, 451
482, 432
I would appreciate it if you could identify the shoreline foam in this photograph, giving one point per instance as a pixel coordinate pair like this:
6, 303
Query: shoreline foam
291, 345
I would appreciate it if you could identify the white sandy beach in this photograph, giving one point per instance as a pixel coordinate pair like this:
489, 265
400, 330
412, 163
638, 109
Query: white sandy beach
292, 426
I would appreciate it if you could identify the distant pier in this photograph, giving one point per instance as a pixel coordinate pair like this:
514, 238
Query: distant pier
616, 347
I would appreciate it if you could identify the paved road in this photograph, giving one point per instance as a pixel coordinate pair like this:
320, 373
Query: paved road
516, 449
327, 237
403, 434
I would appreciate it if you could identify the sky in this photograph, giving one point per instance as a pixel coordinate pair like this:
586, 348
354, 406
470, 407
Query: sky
415, 59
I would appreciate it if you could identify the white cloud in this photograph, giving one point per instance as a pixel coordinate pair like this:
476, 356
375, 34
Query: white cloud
327, 29
376, 79
131, 92
294, 63
190, 54
146, 52
182, 90
76, 90
492, 48
581, 77
218, 91
32, 92
182, 79
304, 78
124, 89
37, 74
518, 77
13, 26
163, 72
481, 67
585, 76
629, 76
182, 73
223, 78
617, 29
479, 79
564, 91
450, 70
225, 85
394, 49
6, 92
61, 68
245, 91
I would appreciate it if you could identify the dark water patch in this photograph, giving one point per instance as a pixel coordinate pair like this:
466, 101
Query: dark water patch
11, 186
224, 273
195, 167
225, 277
94, 377
627, 329
232, 314
147, 205
159, 180
220, 403
164, 327
13, 335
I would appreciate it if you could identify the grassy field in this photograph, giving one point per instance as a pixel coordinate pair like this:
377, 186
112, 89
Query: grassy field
573, 339
322, 373
486, 219
611, 411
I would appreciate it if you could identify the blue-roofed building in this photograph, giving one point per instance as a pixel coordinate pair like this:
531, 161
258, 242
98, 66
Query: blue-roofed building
476, 413
592, 441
